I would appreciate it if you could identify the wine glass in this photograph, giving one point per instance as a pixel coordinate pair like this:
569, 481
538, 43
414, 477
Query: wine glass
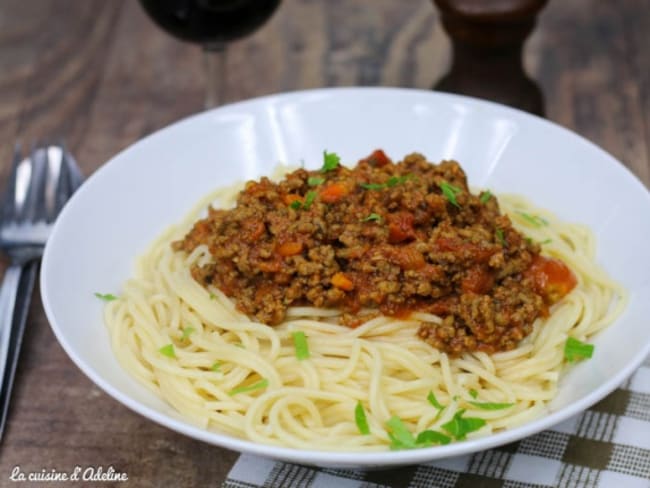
211, 23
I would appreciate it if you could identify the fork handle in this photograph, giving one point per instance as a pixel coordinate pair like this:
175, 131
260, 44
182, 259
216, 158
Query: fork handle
8, 294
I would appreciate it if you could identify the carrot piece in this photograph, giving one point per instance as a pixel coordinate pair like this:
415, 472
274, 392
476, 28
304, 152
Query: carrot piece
289, 198
400, 227
340, 280
289, 248
333, 192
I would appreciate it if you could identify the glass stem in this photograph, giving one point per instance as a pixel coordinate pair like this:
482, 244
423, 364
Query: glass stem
214, 56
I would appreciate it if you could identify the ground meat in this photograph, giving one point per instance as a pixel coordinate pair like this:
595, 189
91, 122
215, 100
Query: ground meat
394, 237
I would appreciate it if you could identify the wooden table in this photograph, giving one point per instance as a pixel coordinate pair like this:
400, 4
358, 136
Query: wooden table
99, 74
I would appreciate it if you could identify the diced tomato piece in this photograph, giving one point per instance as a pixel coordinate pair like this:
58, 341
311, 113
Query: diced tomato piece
477, 279
333, 192
551, 278
400, 227
407, 257
341, 281
475, 252
378, 158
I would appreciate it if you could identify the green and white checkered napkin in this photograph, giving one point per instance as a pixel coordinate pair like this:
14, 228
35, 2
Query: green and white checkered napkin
605, 446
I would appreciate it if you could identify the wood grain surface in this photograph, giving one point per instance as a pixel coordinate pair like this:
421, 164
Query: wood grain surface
100, 75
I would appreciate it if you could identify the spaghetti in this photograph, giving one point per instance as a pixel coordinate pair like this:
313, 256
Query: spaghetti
356, 389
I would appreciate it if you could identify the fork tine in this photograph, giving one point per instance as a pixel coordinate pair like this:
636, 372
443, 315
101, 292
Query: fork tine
54, 163
35, 203
76, 177
64, 188
8, 206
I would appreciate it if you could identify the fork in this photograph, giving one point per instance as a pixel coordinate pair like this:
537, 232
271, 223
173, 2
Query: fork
38, 188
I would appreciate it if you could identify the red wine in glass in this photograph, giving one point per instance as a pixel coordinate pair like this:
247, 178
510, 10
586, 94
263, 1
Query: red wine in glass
211, 23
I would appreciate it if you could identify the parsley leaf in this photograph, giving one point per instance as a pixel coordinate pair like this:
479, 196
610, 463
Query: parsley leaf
491, 406
296, 204
398, 180
534, 220
434, 401
300, 343
546, 241
500, 237
485, 197
213, 296
450, 191
331, 161
263, 383
473, 393
431, 437
373, 186
400, 436
168, 351
215, 367
390, 183
108, 297
577, 350
372, 216
315, 180
460, 426
361, 420
309, 199
186, 332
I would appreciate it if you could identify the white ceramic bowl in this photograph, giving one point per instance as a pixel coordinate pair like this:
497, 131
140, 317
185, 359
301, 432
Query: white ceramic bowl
123, 206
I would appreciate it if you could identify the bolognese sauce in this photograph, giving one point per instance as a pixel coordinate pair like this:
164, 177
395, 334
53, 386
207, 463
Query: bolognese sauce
383, 236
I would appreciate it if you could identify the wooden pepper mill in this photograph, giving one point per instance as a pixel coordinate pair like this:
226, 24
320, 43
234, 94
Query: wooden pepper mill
488, 38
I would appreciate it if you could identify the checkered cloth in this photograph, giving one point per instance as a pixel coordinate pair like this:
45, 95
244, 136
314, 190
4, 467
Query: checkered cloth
605, 446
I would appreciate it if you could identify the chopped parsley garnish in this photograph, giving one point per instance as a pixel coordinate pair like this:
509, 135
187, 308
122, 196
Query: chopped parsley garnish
390, 183
260, 385
361, 420
186, 332
107, 297
373, 186
168, 351
402, 438
500, 237
215, 367
315, 180
331, 161
300, 343
473, 393
373, 216
460, 426
431, 437
534, 220
485, 196
310, 196
398, 180
309, 199
434, 401
450, 191
491, 406
213, 296
546, 241
577, 350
